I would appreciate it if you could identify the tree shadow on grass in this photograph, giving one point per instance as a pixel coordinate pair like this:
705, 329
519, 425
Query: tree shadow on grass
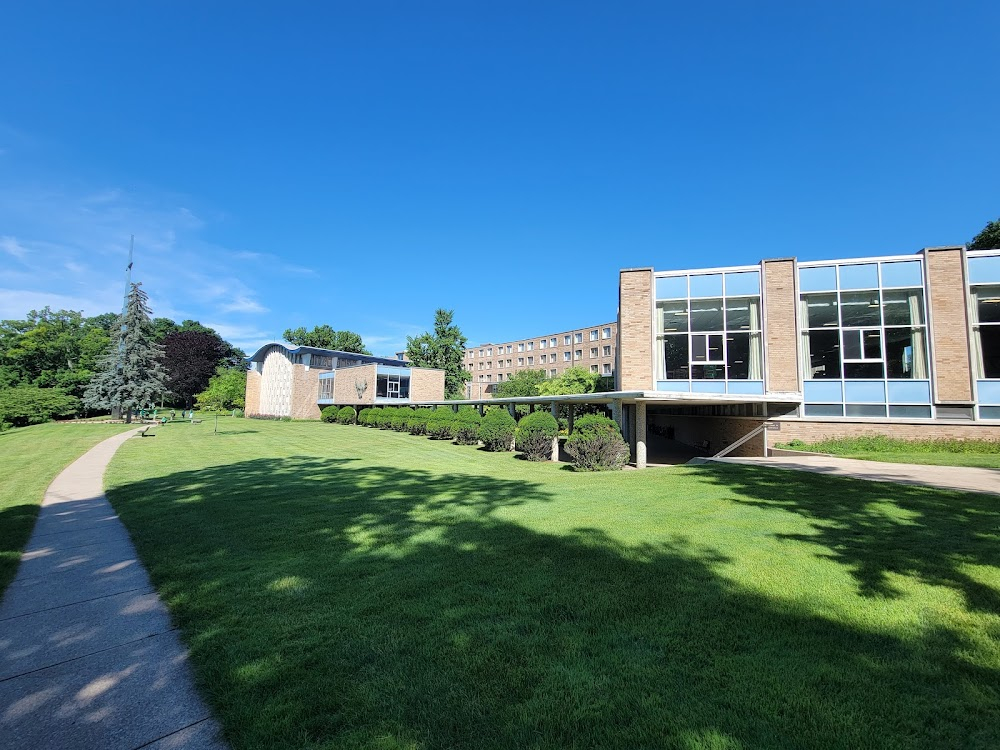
16, 522
329, 604
880, 528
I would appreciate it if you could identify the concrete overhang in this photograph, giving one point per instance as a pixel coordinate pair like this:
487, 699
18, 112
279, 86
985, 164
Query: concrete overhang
631, 397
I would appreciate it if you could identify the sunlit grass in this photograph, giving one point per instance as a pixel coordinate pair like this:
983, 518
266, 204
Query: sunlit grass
942, 452
30, 458
345, 587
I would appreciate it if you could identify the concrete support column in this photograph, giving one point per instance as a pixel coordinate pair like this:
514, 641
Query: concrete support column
511, 410
531, 408
640, 435
570, 409
482, 410
454, 409
555, 440
616, 413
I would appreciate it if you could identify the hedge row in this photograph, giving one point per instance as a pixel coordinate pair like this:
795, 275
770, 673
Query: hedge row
596, 443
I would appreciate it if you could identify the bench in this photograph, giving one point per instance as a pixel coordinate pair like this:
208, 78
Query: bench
144, 430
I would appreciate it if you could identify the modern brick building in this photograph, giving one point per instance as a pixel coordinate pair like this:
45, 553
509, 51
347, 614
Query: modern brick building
593, 348
299, 382
907, 346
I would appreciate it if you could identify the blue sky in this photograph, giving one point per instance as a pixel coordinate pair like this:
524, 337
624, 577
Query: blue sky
361, 164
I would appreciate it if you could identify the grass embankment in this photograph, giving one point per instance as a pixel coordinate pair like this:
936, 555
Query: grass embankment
346, 587
30, 458
981, 453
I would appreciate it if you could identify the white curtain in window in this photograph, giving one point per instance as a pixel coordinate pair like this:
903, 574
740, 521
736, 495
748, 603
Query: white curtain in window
977, 335
806, 351
915, 301
756, 364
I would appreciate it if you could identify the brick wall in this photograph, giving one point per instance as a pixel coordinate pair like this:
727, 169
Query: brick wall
811, 432
253, 393
782, 358
345, 391
949, 333
426, 384
718, 431
305, 392
635, 330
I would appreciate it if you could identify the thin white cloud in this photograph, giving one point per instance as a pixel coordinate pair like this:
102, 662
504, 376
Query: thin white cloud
15, 303
243, 305
11, 246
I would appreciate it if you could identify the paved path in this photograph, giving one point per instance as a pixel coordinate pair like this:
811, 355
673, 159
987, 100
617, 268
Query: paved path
88, 656
963, 478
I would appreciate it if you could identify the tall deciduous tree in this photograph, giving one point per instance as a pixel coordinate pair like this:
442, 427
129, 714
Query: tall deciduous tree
443, 349
572, 380
988, 239
324, 337
226, 390
521, 383
190, 360
130, 375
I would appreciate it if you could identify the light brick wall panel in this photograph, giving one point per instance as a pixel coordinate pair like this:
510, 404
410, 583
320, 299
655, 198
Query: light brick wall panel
949, 333
345, 390
635, 330
782, 358
252, 404
305, 392
426, 385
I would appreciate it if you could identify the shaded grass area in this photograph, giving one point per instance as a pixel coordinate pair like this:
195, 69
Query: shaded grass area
942, 452
30, 458
344, 587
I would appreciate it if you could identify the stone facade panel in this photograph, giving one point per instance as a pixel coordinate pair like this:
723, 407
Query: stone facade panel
426, 385
781, 360
635, 331
347, 381
952, 363
252, 402
305, 392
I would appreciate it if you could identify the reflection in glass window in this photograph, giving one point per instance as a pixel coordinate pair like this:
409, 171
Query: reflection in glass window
905, 353
671, 287
903, 308
706, 285
673, 316
707, 315
394, 386
905, 273
818, 279
675, 357
986, 324
860, 276
819, 310
743, 283
859, 309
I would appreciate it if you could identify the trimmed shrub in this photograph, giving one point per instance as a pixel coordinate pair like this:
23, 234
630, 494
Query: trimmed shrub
418, 422
466, 426
597, 444
366, 417
440, 423
497, 429
329, 414
400, 421
347, 415
533, 436
383, 420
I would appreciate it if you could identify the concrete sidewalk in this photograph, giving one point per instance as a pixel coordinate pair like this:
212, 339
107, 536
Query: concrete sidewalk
963, 478
88, 656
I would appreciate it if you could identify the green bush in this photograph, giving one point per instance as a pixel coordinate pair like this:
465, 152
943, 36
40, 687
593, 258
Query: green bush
347, 415
418, 422
29, 404
383, 420
365, 417
533, 436
400, 420
466, 426
440, 423
497, 429
329, 414
597, 444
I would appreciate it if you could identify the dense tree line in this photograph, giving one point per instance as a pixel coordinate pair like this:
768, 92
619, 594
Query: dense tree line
49, 359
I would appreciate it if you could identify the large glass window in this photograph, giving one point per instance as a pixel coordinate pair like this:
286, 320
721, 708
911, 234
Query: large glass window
861, 322
710, 335
986, 324
394, 386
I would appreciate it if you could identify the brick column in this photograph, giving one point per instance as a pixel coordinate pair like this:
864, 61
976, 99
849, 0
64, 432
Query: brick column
781, 340
951, 361
635, 330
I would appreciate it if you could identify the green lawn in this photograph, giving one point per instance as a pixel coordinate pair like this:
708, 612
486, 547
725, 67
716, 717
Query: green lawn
341, 587
980, 453
30, 458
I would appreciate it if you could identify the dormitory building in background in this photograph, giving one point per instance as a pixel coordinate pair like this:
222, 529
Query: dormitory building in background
593, 348
901, 345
